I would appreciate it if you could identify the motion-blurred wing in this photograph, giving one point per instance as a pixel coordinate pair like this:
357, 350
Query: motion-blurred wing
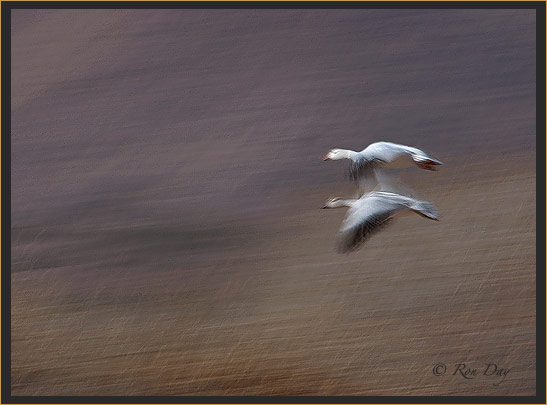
372, 215
386, 151
363, 172
390, 181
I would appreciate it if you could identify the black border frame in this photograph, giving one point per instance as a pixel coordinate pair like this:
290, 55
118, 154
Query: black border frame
5, 276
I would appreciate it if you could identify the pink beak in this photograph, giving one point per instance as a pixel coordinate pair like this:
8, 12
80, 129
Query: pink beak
326, 157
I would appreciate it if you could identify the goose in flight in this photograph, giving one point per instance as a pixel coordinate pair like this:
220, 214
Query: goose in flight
372, 212
382, 155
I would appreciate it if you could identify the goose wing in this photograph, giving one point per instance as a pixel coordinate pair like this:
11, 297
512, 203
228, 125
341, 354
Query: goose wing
418, 156
362, 169
396, 155
367, 166
381, 178
386, 152
371, 214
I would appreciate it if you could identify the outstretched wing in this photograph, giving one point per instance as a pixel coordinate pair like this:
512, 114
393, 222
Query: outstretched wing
389, 180
370, 216
363, 168
421, 159
364, 173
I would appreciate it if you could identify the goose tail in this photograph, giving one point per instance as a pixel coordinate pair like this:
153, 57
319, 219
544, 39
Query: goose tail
426, 162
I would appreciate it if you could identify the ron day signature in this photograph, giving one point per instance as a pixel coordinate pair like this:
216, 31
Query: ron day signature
462, 370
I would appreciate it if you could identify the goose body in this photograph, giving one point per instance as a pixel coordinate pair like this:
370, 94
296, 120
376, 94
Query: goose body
372, 212
382, 155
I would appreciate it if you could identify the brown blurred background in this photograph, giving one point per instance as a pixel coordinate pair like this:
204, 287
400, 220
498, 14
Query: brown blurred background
166, 184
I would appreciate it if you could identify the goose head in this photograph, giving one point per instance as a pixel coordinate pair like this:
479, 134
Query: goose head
336, 154
334, 203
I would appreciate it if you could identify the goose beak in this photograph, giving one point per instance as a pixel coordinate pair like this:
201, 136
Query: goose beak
326, 157
323, 207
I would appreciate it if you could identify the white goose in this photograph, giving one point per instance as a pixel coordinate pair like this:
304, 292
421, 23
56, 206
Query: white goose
372, 212
382, 155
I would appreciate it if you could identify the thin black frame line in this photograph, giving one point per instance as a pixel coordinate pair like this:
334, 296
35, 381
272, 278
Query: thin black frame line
6, 257
5, 275
282, 4
540, 199
274, 399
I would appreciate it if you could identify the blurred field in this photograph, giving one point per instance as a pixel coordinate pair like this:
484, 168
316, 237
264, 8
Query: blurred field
166, 184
